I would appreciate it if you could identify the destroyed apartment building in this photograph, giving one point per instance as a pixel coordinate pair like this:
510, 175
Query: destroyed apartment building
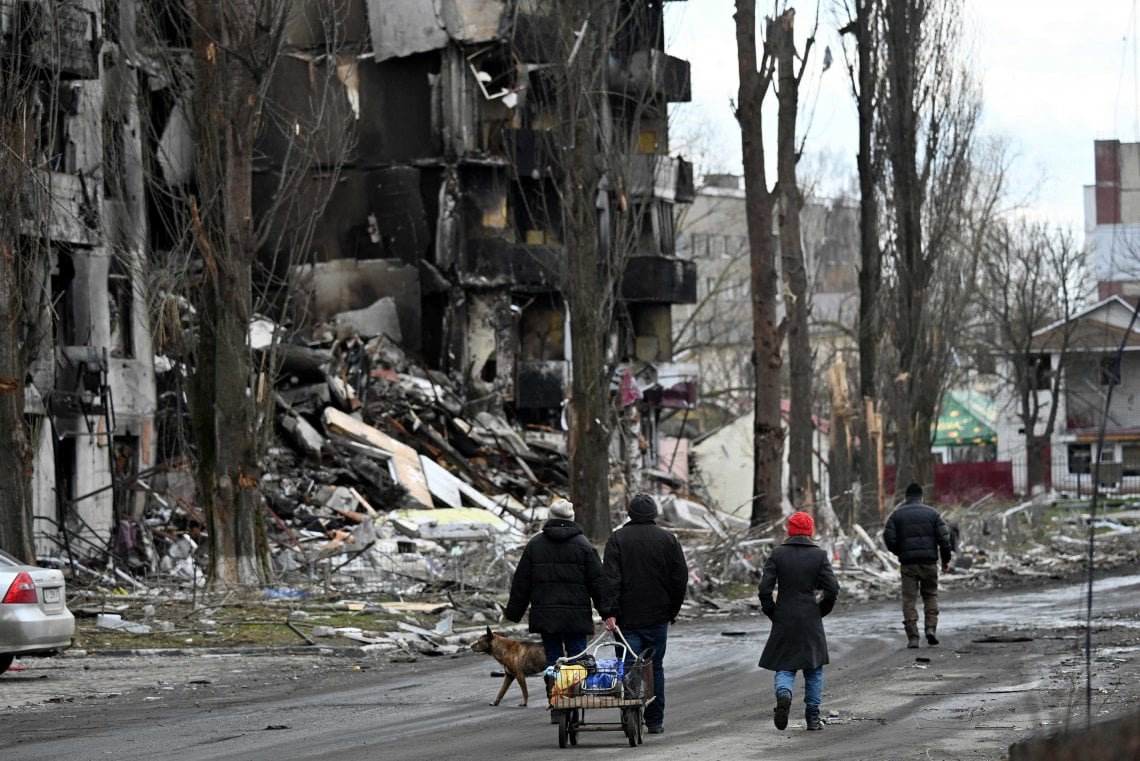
426, 291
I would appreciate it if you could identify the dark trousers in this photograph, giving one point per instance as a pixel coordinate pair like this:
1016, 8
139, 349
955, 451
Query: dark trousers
655, 637
920, 581
559, 645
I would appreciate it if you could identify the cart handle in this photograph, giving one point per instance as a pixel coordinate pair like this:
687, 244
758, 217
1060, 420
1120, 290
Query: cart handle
593, 644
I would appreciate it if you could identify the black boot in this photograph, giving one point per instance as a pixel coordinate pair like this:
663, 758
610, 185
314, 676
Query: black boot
930, 624
811, 718
783, 703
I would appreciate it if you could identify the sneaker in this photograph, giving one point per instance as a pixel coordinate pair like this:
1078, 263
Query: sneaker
783, 704
930, 638
656, 730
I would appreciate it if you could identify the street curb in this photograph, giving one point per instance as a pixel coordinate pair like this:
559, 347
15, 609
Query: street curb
307, 650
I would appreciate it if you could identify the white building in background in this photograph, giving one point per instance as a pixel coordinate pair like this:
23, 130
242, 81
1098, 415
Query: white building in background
1094, 338
716, 331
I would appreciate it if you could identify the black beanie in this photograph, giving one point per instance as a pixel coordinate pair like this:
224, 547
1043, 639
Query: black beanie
642, 508
914, 491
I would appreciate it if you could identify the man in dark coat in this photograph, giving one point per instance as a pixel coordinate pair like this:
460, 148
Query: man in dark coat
798, 567
645, 577
559, 575
917, 534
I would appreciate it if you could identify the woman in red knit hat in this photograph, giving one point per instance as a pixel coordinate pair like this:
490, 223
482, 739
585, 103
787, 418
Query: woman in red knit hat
798, 568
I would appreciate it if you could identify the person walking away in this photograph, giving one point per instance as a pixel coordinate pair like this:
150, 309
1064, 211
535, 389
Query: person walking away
559, 577
644, 581
917, 535
798, 569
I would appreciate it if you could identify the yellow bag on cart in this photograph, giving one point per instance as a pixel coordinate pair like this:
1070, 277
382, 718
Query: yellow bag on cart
567, 682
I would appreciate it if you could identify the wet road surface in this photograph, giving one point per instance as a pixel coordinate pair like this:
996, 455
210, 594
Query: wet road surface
1010, 663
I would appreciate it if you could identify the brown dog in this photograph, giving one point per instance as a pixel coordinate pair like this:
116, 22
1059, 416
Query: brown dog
519, 660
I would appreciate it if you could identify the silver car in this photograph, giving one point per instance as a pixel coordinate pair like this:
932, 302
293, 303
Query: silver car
34, 619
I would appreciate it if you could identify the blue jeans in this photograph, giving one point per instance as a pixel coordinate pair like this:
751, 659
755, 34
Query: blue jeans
813, 685
553, 644
655, 637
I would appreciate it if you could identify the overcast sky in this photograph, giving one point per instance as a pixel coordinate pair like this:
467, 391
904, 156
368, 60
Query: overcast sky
1055, 75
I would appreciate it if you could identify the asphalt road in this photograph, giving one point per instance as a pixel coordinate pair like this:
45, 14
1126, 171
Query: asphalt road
1010, 663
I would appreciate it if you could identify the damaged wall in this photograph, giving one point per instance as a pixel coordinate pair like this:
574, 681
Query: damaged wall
404, 27
101, 391
348, 284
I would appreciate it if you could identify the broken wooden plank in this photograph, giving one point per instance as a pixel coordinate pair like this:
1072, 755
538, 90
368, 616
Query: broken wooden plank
441, 482
888, 561
407, 461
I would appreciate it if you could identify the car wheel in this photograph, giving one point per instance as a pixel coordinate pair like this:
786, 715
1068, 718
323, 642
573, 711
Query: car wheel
6, 661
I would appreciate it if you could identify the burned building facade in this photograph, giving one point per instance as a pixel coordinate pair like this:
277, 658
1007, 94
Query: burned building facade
447, 203
89, 391
427, 134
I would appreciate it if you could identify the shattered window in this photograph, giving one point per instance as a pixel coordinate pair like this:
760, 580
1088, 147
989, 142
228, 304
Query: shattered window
120, 302
1130, 458
1109, 371
1080, 455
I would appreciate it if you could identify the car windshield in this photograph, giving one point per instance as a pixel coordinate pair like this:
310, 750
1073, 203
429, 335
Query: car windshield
8, 560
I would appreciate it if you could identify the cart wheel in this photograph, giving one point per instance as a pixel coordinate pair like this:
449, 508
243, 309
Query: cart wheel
628, 722
639, 715
563, 728
573, 723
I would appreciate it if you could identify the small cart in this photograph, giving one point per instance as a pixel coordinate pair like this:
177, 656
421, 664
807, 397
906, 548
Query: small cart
588, 682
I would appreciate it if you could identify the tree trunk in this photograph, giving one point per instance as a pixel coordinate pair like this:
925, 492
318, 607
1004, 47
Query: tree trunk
801, 489
590, 281
767, 430
870, 252
227, 41
902, 36
15, 452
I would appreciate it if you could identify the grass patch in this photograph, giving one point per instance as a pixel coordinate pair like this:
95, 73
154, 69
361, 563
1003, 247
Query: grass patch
230, 624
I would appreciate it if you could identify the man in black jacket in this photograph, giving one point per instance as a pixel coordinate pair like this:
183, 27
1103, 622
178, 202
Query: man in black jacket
559, 576
917, 534
645, 577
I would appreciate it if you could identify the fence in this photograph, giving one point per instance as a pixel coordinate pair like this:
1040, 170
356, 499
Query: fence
965, 482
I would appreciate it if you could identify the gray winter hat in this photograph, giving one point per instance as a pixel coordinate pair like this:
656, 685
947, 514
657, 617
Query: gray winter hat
642, 508
562, 508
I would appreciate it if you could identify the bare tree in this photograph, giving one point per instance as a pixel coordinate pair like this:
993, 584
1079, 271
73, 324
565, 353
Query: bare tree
863, 68
218, 61
234, 46
797, 303
29, 105
928, 118
586, 28
1034, 277
768, 431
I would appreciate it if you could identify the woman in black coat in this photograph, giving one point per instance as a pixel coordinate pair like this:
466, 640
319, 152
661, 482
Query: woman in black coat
798, 567
559, 577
